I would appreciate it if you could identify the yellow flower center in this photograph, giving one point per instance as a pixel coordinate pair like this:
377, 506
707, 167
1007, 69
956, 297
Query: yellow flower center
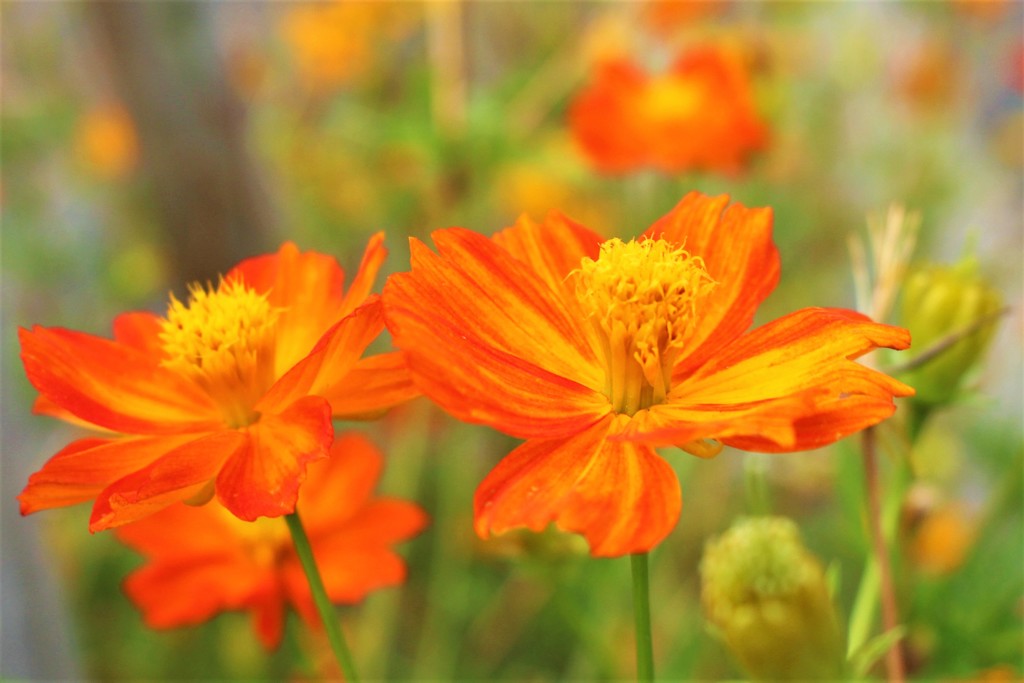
266, 540
223, 339
671, 99
642, 299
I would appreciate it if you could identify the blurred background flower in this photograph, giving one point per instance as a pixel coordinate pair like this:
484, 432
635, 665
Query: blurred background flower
458, 114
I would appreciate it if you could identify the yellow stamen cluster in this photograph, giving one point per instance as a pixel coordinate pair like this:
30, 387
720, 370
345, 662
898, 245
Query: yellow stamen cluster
224, 340
266, 540
642, 299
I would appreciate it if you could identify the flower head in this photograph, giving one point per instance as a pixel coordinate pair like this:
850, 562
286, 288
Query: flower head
203, 560
699, 115
596, 352
231, 393
766, 595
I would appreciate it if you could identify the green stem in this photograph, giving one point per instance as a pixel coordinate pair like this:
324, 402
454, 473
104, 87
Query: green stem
323, 603
642, 612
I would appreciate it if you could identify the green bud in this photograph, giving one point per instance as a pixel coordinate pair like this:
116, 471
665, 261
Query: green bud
939, 302
766, 594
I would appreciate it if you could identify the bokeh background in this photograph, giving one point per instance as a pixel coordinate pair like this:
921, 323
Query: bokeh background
147, 145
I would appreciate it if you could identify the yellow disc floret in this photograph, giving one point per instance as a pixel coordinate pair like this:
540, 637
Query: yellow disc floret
224, 340
643, 299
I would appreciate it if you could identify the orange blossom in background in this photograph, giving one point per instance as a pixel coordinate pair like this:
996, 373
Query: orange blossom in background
597, 351
697, 116
231, 394
203, 560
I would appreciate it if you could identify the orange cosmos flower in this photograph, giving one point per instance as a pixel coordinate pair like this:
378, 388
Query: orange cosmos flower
230, 394
598, 351
203, 560
697, 116
107, 142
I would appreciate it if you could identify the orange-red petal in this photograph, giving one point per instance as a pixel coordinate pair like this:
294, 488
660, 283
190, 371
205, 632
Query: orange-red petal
551, 249
490, 342
366, 274
736, 246
373, 385
113, 385
621, 496
176, 476
262, 478
330, 360
82, 469
307, 289
784, 386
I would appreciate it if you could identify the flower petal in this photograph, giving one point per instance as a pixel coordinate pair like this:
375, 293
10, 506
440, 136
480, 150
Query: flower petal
369, 266
621, 496
307, 289
177, 476
330, 360
262, 478
552, 249
739, 255
81, 470
113, 385
490, 342
140, 330
340, 485
373, 385
785, 386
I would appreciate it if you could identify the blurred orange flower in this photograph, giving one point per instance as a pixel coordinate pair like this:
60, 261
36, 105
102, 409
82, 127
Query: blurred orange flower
106, 141
231, 394
598, 351
697, 116
332, 42
942, 540
202, 560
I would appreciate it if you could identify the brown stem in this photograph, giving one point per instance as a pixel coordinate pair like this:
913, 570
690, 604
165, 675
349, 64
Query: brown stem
890, 613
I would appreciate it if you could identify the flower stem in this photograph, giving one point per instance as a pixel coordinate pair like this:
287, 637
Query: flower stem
642, 613
323, 603
890, 614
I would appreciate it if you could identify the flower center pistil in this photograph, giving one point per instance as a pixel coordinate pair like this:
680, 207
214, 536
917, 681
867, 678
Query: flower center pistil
642, 299
223, 339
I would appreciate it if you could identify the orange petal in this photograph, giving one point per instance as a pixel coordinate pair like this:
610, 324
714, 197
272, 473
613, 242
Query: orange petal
177, 476
340, 485
307, 289
490, 342
369, 266
331, 359
113, 385
262, 478
603, 117
81, 470
796, 373
181, 530
140, 330
740, 256
621, 496
552, 249
373, 385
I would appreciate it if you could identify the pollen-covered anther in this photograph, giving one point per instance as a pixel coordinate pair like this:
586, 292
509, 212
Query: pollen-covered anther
224, 340
643, 299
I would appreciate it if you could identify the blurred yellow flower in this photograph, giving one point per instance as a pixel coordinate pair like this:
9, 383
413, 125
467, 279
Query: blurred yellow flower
106, 142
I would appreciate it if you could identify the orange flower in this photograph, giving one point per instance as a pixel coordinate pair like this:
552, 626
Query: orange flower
107, 142
202, 560
333, 42
698, 116
598, 351
231, 394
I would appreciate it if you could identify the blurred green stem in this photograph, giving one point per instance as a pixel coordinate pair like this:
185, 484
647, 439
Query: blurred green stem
323, 603
884, 583
642, 613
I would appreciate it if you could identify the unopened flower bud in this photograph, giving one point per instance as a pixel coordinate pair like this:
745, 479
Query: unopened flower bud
940, 303
766, 594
